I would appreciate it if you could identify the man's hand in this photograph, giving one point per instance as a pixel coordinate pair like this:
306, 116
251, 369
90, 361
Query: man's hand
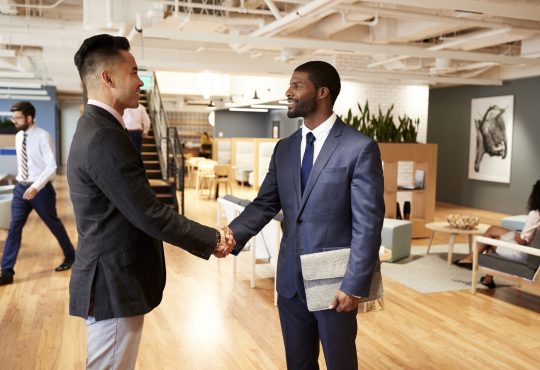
227, 243
344, 302
229, 238
30, 193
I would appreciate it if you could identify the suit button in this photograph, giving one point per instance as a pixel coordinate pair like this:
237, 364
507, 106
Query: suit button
299, 222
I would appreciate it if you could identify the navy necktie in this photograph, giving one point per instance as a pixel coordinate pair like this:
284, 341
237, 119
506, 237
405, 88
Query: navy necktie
307, 161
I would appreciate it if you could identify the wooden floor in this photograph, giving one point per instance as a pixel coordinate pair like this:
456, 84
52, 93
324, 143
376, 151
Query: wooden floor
211, 319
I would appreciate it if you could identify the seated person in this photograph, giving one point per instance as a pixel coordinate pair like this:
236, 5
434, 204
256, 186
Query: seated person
525, 237
206, 145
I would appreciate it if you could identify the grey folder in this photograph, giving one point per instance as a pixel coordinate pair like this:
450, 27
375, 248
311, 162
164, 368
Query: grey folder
323, 273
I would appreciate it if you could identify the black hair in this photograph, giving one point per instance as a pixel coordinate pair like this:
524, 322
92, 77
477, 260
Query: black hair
322, 74
25, 107
534, 200
98, 49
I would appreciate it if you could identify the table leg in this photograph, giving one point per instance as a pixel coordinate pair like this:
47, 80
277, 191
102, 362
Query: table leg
451, 247
430, 241
470, 242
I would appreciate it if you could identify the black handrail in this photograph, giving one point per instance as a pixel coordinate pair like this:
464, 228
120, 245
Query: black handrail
170, 153
177, 163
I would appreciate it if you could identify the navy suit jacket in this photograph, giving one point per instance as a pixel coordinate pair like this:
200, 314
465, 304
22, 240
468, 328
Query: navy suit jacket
342, 206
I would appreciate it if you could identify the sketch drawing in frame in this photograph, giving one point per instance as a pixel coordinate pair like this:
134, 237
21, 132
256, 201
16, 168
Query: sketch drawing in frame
490, 145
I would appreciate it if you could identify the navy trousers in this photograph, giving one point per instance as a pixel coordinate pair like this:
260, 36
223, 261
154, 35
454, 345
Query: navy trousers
302, 330
45, 205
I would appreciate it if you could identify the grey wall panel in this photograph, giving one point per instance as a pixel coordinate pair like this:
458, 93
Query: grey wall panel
449, 127
287, 126
242, 124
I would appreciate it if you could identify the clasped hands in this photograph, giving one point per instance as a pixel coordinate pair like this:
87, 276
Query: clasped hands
227, 243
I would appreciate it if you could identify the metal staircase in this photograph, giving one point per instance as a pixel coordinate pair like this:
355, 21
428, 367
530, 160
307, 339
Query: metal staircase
165, 189
162, 153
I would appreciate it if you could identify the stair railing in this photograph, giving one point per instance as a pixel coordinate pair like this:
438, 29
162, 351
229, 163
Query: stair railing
170, 153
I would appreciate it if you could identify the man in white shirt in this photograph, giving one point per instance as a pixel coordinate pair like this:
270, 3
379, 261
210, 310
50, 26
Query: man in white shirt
36, 167
137, 123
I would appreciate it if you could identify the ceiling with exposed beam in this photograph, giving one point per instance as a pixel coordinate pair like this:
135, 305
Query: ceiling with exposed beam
474, 42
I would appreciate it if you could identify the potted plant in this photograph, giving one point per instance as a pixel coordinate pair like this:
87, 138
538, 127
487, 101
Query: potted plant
381, 127
408, 128
6, 126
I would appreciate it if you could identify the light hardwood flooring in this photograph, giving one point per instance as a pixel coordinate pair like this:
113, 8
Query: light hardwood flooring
211, 319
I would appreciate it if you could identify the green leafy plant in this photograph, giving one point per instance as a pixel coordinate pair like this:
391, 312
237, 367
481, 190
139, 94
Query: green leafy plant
408, 128
385, 129
381, 127
6, 126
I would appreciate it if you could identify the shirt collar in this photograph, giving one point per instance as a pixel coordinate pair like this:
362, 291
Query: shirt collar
29, 129
322, 129
109, 109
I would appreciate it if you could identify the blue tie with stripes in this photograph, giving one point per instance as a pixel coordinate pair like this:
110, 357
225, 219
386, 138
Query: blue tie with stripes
307, 161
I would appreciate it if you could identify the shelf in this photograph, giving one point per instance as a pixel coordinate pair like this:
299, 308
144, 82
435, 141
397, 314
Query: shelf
424, 157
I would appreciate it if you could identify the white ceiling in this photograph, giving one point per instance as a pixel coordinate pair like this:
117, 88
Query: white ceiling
479, 42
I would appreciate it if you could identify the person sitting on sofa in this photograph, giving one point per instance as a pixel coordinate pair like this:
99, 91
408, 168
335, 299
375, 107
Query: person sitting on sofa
525, 237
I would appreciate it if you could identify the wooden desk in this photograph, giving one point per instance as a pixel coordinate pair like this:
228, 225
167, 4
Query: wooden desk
444, 227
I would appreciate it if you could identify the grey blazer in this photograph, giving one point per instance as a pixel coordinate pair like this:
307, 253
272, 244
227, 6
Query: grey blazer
342, 206
119, 269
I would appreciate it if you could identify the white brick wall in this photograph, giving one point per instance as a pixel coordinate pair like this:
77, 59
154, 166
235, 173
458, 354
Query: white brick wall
412, 100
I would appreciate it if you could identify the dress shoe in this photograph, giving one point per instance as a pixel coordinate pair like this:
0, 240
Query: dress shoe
6, 279
66, 265
466, 265
490, 285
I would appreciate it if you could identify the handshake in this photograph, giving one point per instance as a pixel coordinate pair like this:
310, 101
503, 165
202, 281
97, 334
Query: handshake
226, 243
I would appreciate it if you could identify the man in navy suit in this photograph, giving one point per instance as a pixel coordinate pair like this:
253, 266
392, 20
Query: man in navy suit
327, 178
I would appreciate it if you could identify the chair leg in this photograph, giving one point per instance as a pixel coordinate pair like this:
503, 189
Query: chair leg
474, 267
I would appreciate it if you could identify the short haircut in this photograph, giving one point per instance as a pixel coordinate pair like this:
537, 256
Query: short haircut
322, 74
25, 107
96, 50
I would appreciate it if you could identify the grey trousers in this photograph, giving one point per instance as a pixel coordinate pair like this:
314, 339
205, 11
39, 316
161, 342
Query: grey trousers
113, 344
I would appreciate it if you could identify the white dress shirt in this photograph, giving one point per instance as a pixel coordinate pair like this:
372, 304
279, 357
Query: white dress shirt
137, 119
321, 133
40, 154
108, 108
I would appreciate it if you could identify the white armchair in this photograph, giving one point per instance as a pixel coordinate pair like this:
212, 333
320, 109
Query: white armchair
525, 274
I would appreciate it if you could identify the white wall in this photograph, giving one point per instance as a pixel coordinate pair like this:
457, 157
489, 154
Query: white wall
407, 99
70, 113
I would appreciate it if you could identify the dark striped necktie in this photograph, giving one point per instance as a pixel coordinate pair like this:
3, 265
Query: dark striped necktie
24, 157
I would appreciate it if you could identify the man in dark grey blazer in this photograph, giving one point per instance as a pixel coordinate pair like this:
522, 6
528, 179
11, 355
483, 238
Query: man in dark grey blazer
327, 178
119, 270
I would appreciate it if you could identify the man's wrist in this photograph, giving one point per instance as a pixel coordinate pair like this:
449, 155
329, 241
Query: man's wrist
219, 237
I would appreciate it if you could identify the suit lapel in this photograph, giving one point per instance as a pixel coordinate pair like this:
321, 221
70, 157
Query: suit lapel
94, 109
330, 144
295, 164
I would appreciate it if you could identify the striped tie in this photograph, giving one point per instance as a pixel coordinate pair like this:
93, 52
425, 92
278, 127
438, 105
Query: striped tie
24, 164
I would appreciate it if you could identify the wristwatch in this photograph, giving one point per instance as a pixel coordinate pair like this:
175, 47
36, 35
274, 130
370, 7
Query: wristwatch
218, 237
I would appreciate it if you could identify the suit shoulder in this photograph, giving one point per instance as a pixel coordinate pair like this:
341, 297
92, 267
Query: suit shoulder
356, 136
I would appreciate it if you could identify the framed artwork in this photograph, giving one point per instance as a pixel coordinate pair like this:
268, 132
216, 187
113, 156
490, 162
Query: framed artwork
490, 145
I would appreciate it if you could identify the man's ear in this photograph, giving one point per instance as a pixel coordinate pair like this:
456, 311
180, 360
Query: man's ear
323, 92
106, 77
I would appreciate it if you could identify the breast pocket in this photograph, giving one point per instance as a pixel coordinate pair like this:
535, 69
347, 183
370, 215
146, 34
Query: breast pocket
333, 175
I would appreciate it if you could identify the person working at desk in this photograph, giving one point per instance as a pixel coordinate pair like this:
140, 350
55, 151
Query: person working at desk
206, 145
36, 167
